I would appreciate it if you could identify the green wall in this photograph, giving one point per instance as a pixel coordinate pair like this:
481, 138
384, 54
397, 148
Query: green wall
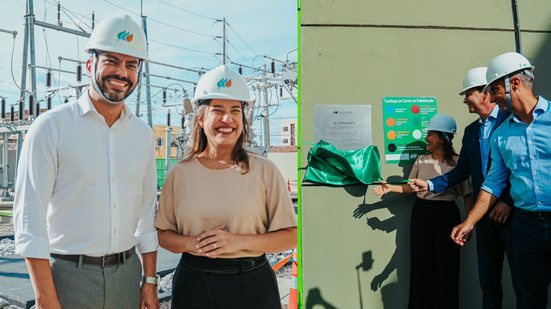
356, 52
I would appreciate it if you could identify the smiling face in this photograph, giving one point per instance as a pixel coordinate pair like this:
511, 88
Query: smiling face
116, 75
434, 142
222, 123
475, 99
498, 95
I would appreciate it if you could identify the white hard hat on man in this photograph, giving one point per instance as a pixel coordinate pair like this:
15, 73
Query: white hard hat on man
117, 34
504, 66
473, 79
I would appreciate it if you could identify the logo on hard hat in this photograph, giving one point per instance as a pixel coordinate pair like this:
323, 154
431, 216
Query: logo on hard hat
224, 83
125, 36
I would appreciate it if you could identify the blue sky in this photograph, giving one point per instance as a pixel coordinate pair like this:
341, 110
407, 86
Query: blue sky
181, 33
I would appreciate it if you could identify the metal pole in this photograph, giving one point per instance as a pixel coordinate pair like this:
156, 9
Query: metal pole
138, 98
224, 40
147, 79
5, 160
19, 146
516, 24
33, 61
25, 53
266, 118
168, 140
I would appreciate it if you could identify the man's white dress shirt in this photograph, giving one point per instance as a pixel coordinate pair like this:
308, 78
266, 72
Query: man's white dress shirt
85, 188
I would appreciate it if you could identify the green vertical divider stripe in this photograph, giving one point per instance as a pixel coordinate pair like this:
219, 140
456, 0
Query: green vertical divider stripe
161, 172
299, 178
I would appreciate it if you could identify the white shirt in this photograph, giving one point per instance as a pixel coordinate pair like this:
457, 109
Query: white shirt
85, 188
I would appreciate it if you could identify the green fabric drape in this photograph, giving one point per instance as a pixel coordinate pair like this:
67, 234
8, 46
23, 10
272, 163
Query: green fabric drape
331, 166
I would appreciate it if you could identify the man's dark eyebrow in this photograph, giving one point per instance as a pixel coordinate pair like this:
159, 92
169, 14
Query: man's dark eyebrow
113, 57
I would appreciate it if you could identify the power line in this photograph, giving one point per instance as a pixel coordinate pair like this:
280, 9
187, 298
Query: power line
122, 8
183, 48
161, 22
235, 48
180, 28
241, 39
188, 11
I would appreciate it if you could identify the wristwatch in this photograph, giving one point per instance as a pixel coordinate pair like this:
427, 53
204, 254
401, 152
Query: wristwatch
151, 280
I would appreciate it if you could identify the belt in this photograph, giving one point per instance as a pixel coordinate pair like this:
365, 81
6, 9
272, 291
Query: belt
103, 261
546, 215
222, 266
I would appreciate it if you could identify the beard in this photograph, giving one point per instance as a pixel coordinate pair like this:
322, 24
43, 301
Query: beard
114, 94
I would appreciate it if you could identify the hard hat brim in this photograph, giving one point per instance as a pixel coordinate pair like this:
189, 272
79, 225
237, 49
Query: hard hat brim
470, 87
221, 96
124, 51
487, 87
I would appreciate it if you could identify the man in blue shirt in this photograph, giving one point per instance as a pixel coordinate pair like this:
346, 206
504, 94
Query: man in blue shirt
494, 230
521, 155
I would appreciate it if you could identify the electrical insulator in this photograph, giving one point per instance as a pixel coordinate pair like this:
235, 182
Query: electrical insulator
168, 119
21, 109
66, 100
31, 105
49, 103
240, 70
93, 19
281, 92
79, 72
12, 114
59, 13
164, 95
49, 79
3, 108
183, 121
273, 67
37, 109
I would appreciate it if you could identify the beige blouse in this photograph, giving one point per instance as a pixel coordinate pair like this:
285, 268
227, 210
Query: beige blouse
426, 168
195, 198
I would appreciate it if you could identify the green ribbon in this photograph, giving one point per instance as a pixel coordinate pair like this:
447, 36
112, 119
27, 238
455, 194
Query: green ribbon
331, 166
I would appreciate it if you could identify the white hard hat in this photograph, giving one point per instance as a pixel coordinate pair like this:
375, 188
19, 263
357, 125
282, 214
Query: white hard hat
221, 83
119, 34
504, 65
475, 78
442, 123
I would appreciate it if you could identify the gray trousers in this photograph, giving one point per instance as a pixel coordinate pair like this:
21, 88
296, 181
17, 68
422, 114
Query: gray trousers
93, 287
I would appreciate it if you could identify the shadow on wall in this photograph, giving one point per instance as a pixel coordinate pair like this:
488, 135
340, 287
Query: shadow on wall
394, 295
542, 61
314, 298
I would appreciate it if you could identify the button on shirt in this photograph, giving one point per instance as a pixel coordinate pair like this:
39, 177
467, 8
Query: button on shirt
521, 154
83, 187
485, 134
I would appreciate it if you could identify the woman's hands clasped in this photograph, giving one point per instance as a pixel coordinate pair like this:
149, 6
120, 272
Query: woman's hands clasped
216, 241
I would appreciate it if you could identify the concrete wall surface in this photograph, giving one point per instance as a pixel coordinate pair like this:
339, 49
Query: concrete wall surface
355, 246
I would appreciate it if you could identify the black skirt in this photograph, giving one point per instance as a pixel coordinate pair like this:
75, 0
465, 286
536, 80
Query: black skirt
205, 283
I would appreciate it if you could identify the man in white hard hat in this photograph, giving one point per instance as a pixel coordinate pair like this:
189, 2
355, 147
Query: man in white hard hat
493, 237
86, 187
521, 155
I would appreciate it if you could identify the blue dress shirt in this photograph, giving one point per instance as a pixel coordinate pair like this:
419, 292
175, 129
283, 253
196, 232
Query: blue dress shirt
485, 130
521, 153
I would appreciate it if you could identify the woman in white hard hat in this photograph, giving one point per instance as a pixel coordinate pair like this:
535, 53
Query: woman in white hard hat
224, 208
434, 280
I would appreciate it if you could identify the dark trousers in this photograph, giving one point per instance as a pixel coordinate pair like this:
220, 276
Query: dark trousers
531, 242
493, 241
195, 289
434, 281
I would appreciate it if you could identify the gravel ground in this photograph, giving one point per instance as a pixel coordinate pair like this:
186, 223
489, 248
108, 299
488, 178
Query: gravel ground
6, 229
7, 247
